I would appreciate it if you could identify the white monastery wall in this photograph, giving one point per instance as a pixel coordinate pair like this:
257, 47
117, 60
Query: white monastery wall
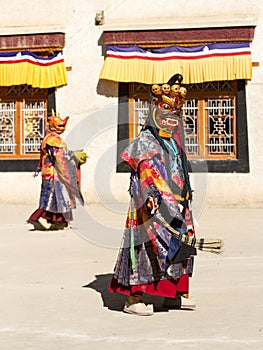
94, 114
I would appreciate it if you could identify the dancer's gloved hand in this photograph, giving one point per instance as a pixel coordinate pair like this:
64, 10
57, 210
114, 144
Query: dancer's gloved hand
81, 157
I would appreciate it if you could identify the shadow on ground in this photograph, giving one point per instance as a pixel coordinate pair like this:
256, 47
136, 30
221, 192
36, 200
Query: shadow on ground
115, 301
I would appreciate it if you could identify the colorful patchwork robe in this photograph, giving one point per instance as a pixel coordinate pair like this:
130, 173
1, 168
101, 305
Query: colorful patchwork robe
60, 180
149, 254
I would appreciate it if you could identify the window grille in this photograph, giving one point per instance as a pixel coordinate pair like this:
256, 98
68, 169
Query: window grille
190, 118
7, 128
23, 114
32, 126
220, 126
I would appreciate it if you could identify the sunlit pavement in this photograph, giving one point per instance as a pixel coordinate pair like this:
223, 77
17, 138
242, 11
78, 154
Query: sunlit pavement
53, 289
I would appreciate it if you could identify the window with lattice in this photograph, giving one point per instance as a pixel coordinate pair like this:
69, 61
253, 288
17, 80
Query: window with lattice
23, 115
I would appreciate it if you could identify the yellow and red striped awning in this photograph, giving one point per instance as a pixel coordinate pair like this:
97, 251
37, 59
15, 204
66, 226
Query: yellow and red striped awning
197, 64
18, 68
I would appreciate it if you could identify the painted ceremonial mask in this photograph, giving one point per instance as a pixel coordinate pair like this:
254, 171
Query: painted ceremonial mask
57, 124
166, 103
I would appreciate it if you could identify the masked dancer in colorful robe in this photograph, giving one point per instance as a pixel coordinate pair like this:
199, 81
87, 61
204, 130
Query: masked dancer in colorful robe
60, 170
151, 260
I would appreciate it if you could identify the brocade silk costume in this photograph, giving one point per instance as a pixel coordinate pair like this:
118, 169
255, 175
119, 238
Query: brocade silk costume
59, 176
60, 181
151, 260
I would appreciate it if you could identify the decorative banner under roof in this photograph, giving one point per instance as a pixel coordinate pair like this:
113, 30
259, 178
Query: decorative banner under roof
17, 68
197, 64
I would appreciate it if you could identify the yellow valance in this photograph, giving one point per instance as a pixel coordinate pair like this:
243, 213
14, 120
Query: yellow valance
17, 68
197, 64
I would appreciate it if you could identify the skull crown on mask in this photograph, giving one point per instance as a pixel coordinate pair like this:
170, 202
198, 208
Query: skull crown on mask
166, 103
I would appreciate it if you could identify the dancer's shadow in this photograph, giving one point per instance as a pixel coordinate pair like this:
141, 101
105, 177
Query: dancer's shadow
113, 301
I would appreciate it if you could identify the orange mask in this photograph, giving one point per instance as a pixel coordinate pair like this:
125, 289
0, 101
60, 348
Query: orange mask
57, 124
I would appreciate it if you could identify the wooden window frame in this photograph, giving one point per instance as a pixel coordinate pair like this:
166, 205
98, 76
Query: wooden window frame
19, 100
28, 163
